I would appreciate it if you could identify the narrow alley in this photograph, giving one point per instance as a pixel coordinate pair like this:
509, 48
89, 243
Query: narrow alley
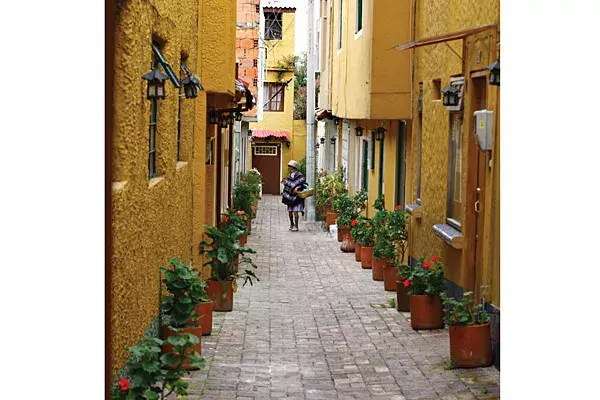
318, 327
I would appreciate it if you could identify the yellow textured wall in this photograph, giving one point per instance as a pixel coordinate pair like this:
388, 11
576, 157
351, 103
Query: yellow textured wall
150, 223
439, 62
218, 24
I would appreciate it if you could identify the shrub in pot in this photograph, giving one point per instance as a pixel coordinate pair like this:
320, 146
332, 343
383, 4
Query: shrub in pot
145, 380
328, 189
223, 250
239, 219
186, 293
469, 328
383, 250
425, 283
395, 222
349, 208
361, 232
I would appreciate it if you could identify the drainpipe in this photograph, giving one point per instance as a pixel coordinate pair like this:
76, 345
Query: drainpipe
310, 114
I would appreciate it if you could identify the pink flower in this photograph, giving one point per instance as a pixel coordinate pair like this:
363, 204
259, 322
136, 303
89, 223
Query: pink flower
240, 212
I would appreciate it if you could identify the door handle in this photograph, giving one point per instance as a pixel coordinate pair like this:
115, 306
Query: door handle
477, 206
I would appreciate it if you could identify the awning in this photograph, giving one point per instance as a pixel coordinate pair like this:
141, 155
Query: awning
262, 134
444, 38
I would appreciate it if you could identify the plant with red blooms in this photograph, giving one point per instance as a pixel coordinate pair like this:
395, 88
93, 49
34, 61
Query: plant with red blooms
354, 223
427, 277
363, 232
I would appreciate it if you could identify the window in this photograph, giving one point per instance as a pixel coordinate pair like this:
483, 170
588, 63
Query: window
273, 95
359, 15
419, 155
454, 205
273, 26
372, 160
381, 167
258, 8
255, 82
340, 25
265, 150
365, 165
437, 89
255, 43
255, 63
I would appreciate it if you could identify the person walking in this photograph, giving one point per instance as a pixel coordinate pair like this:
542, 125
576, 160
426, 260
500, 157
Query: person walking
294, 183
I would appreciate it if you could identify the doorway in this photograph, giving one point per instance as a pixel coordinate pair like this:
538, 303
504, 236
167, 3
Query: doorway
266, 158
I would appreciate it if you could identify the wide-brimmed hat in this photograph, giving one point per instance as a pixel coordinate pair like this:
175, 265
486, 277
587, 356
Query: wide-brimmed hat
294, 164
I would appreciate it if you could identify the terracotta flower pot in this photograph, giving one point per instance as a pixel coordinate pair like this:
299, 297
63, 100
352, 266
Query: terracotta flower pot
165, 332
330, 218
366, 257
339, 235
249, 226
426, 312
402, 297
357, 249
378, 265
243, 240
347, 245
221, 293
390, 277
205, 312
470, 346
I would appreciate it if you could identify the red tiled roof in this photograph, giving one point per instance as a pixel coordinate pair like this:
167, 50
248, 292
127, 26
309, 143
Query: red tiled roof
259, 133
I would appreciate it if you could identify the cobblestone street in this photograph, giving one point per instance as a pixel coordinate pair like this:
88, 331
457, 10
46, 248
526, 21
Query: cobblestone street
317, 326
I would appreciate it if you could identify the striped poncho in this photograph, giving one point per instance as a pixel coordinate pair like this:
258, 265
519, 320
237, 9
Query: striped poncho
294, 180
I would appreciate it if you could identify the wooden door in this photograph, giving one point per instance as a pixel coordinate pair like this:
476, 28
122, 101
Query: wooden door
266, 158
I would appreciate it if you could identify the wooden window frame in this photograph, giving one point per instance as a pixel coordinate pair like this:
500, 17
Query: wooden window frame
455, 156
340, 24
277, 22
272, 89
419, 158
359, 16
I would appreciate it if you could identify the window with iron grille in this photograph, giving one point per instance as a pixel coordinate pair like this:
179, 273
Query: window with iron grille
273, 26
265, 150
273, 94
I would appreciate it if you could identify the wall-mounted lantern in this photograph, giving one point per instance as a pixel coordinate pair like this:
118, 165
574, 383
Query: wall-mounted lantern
191, 85
229, 119
333, 139
380, 133
336, 120
213, 117
495, 73
322, 140
238, 116
451, 94
358, 131
317, 145
249, 133
156, 84
288, 143
223, 121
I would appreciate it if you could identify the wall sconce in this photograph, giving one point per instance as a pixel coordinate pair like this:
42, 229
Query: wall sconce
156, 84
495, 73
380, 133
288, 143
249, 133
238, 116
333, 139
223, 121
336, 121
322, 140
191, 85
358, 131
213, 117
450, 96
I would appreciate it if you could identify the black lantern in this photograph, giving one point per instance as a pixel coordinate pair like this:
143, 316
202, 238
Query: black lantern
380, 133
238, 116
213, 117
223, 121
336, 120
322, 140
450, 96
191, 85
288, 143
358, 131
156, 84
229, 119
249, 133
333, 139
495, 73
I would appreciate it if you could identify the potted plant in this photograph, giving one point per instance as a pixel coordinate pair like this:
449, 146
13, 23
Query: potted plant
179, 307
361, 232
346, 207
425, 283
328, 190
243, 200
383, 250
396, 225
469, 327
222, 251
239, 220
145, 380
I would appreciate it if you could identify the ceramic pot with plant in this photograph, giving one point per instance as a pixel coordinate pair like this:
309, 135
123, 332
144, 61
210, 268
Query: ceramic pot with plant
222, 250
469, 328
362, 232
146, 379
425, 283
349, 208
178, 309
383, 256
395, 232
329, 187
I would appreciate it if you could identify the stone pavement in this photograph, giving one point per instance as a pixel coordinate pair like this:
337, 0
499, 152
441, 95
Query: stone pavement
318, 327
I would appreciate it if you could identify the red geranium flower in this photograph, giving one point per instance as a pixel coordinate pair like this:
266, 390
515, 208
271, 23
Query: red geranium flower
407, 283
434, 258
224, 218
354, 222
426, 264
124, 384
398, 207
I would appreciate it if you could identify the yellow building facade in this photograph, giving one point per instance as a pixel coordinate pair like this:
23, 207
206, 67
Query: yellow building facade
163, 190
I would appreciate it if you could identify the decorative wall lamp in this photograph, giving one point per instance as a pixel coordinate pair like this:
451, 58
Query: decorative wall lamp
191, 85
249, 133
450, 96
358, 131
213, 117
380, 133
156, 84
322, 140
223, 121
288, 143
238, 116
495, 73
336, 120
333, 139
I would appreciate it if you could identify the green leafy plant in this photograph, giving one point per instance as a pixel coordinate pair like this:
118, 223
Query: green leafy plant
464, 311
328, 189
384, 247
362, 231
349, 208
426, 278
146, 380
234, 220
243, 196
186, 291
223, 250
392, 303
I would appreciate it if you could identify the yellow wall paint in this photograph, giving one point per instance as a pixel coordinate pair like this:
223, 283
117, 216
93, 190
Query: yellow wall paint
150, 223
281, 49
218, 45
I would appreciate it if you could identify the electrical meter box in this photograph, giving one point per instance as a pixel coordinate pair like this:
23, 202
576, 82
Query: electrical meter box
484, 124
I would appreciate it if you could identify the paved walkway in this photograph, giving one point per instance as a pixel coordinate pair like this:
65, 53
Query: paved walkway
318, 327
